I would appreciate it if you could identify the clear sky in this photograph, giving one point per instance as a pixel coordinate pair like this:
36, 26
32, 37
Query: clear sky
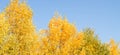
101, 15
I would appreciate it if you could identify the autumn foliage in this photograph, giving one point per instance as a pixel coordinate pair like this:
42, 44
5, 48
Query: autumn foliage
18, 35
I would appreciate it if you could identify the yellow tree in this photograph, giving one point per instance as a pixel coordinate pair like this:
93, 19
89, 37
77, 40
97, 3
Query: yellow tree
3, 31
60, 38
8, 43
92, 44
114, 48
19, 17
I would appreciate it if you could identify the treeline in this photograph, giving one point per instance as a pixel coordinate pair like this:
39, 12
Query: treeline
18, 35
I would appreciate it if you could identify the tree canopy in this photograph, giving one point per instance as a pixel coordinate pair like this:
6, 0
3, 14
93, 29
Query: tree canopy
18, 35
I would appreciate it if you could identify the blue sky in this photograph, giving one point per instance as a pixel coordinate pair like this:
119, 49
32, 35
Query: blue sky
101, 15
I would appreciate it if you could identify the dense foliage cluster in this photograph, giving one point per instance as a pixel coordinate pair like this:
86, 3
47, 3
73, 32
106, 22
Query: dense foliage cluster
19, 37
